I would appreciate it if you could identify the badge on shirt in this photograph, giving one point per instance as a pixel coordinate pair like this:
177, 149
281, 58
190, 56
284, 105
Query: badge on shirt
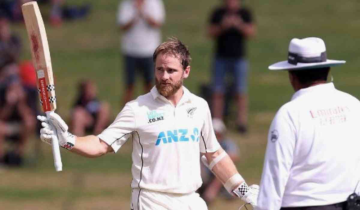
274, 136
191, 112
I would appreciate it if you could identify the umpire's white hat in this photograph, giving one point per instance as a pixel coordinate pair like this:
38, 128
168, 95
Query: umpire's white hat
307, 53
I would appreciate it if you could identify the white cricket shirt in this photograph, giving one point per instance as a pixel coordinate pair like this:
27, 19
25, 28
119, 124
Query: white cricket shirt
313, 150
141, 39
167, 140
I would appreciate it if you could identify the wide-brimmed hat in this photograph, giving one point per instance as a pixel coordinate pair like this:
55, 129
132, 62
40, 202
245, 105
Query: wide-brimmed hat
307, 53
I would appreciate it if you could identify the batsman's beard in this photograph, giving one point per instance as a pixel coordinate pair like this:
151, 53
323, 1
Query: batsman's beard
167, 89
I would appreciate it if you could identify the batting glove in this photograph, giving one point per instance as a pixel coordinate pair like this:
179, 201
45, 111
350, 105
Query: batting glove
56, 126
248, 194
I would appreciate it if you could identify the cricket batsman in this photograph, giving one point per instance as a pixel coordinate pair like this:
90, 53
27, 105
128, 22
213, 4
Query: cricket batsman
170, 128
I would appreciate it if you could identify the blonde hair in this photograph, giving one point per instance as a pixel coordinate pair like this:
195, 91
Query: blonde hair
175, 47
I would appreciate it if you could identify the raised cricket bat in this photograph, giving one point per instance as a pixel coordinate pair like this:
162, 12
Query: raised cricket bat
42, 63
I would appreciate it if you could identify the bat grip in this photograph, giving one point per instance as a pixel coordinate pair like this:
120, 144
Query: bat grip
55, 147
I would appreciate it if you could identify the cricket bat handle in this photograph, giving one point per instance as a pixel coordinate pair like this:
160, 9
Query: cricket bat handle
55, 146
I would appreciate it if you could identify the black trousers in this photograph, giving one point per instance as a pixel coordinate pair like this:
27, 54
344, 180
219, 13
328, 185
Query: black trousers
337, 206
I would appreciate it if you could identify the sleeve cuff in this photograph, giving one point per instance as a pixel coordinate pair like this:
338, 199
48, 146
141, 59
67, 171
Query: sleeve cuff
113, 143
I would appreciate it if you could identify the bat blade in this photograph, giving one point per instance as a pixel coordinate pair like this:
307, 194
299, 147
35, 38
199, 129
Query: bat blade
42, 62
40, 55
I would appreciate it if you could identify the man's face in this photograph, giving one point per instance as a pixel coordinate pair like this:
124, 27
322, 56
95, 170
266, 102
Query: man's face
90, 91
169, 74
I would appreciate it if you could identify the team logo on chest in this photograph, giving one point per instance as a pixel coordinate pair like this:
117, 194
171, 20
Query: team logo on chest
191, 111
155, 116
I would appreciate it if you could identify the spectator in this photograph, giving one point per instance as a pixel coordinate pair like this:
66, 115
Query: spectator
6, 8
17, 107
212, 186
55, 12
140, 21
89, 114
27, 74
17, 119
28, 80
10, 48
230, 26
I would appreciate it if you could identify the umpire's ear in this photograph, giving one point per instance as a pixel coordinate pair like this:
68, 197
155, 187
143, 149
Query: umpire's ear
187, 72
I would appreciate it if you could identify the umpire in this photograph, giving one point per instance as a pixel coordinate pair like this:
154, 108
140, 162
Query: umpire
312, 160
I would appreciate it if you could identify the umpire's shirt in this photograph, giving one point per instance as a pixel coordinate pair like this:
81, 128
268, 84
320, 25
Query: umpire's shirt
313, 150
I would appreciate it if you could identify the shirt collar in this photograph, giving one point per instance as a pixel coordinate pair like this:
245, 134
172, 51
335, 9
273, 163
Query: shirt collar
185, 97
154, 92
314, 89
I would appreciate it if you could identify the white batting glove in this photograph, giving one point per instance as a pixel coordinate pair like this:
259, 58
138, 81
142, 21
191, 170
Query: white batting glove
56, 127
248, 194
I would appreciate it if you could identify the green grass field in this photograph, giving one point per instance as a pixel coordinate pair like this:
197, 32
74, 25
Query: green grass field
90, 49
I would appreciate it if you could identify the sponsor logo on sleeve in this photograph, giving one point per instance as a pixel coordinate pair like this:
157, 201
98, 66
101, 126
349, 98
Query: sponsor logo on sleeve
274, 136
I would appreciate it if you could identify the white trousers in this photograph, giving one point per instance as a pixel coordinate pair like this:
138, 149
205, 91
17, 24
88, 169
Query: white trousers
151, 200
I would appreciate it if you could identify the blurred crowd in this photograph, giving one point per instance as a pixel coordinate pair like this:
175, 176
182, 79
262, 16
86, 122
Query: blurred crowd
19, 103
18, 96
60, 10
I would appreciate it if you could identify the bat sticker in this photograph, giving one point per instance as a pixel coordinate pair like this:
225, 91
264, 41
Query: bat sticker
40, 74
43, 95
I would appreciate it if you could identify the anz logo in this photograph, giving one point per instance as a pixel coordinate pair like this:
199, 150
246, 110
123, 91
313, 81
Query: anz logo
175, 136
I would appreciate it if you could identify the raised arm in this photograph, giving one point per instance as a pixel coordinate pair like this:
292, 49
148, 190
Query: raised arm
154, 15
88, 146
128, 25
214, 30
247, 29
127, 16
91, 146
152, 22
110, 140
218, 26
